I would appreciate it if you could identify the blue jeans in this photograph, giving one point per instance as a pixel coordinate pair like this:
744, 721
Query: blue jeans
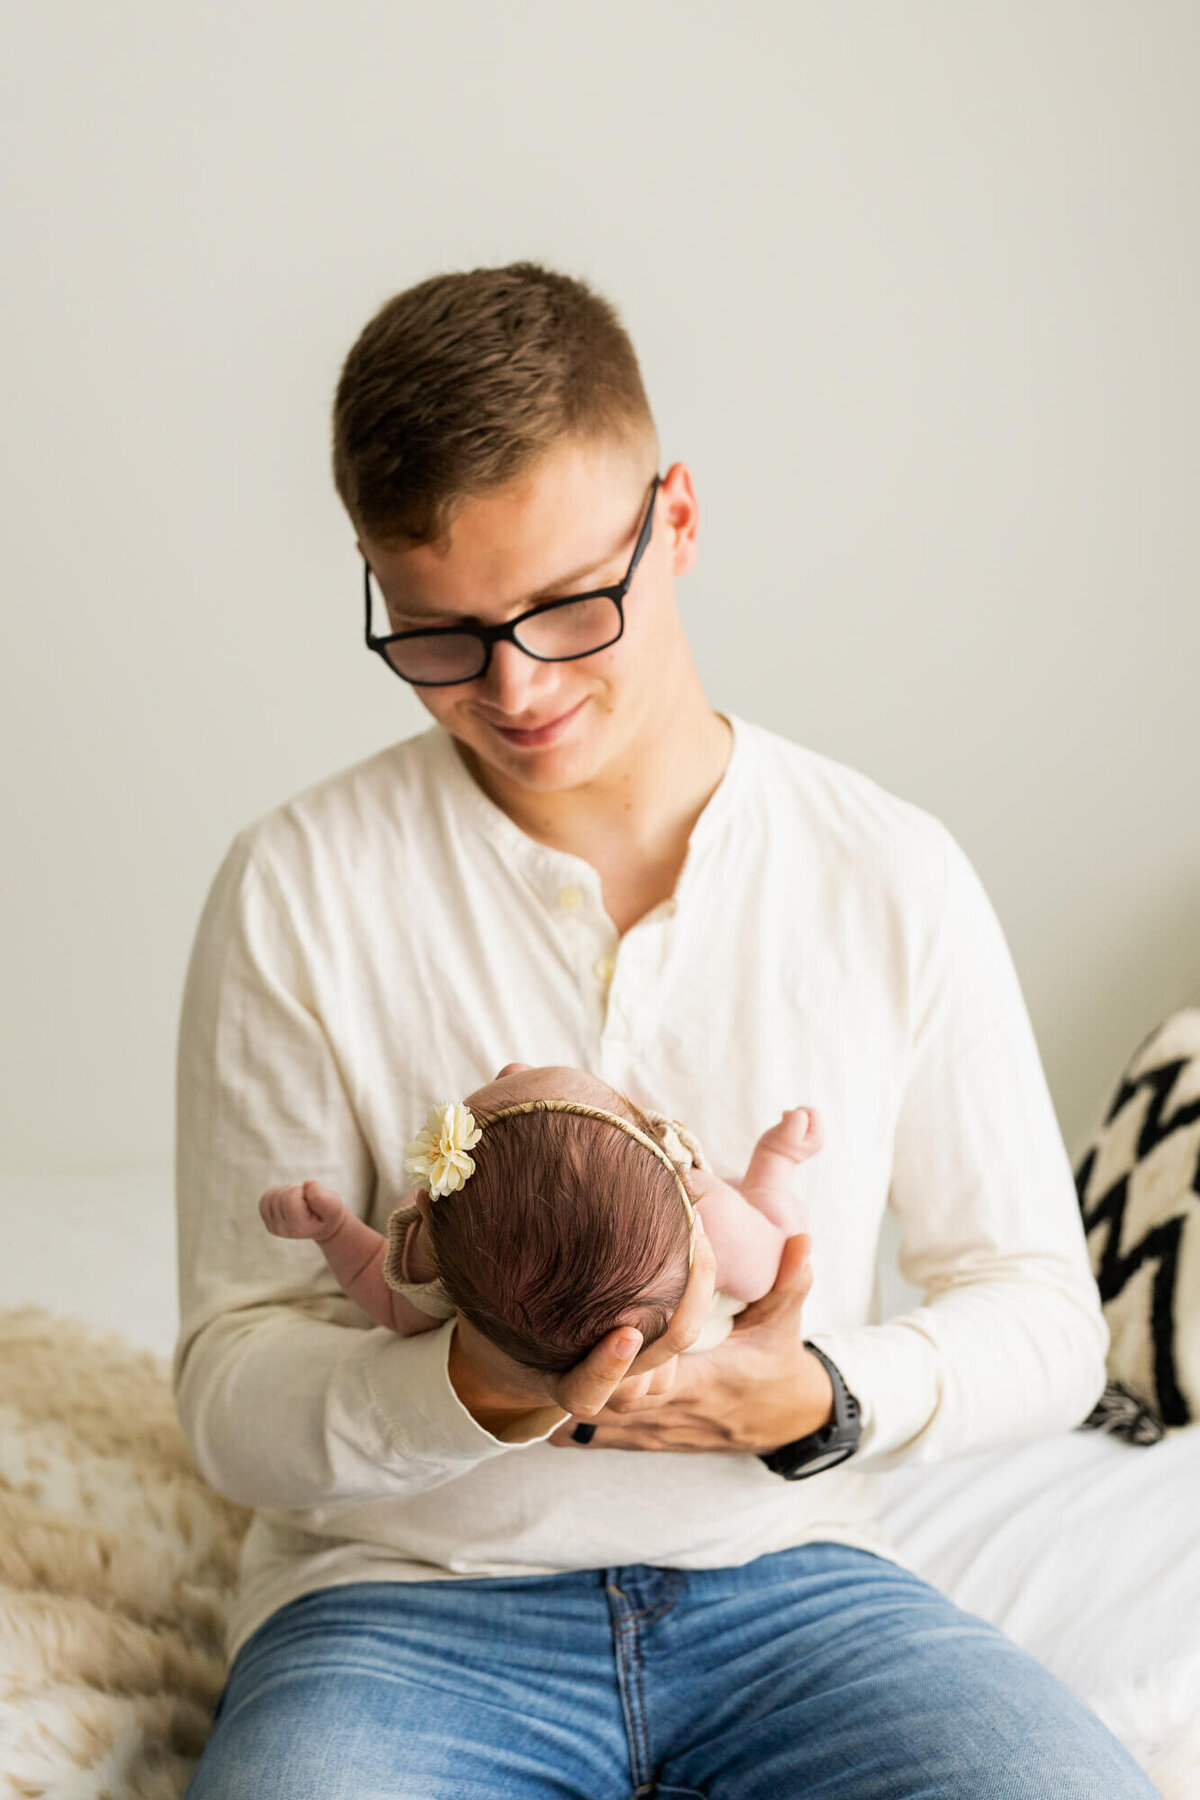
819, 1671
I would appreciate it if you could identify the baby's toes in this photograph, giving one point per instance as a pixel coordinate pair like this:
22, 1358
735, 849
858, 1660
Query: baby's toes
801, 1129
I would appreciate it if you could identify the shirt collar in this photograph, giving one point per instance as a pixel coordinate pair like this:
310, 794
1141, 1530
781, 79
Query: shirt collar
542, 859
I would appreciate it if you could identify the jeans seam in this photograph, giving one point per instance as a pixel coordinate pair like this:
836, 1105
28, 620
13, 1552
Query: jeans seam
648, 1615
673, 1584
627, 1654
645, 1785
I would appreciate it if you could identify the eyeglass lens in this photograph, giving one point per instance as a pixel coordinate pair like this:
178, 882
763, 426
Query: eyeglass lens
553, 636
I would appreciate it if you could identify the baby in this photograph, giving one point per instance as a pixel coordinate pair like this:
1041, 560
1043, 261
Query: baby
575, 1214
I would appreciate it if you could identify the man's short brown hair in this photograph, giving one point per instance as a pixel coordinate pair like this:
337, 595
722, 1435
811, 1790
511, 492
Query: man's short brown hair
461, 383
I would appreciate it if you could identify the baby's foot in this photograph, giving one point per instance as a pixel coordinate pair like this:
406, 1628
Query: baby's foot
797, 1136
303, 1210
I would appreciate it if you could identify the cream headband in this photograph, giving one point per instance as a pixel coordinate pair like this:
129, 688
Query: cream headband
438, 1154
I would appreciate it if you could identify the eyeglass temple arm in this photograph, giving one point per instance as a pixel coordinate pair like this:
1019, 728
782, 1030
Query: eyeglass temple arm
367, 599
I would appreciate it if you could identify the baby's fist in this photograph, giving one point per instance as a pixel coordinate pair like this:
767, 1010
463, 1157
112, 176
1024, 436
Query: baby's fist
304, 1210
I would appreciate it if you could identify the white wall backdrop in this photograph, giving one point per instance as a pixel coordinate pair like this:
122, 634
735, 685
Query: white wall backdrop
916, 289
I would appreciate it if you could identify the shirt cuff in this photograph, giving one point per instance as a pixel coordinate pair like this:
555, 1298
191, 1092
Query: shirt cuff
424, 1418
892, 1371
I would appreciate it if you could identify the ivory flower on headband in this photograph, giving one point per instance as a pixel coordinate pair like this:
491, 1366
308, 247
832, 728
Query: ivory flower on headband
438, 1153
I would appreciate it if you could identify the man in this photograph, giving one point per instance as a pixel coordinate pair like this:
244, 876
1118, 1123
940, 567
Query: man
449, 1588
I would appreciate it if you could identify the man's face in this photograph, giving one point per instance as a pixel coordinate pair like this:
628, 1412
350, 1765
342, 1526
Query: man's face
567, 527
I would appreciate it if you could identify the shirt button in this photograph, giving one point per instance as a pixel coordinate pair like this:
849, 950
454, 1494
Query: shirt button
570, 898
602, 969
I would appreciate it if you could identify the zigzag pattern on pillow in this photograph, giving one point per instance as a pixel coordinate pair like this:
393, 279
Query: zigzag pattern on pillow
1139, 1193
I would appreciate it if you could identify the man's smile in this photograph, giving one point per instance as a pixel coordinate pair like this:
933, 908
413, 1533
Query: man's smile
534, 736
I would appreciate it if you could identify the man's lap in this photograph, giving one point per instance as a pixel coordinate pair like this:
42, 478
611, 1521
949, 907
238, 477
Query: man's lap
816, 1671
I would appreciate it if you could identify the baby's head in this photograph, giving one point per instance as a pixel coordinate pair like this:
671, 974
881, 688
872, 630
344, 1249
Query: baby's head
568, 1227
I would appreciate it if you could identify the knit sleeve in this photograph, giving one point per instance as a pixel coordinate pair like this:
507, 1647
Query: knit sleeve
430, 1296
680, 1144
288, 1396
1010, 1340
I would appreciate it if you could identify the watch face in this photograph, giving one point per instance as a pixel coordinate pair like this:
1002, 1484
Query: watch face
820, 1459
825, 1459
832, 1444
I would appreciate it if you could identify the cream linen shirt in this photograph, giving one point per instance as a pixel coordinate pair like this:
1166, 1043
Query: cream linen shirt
390, 938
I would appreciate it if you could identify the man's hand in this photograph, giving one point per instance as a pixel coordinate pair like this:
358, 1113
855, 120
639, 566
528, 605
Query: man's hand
757, 1390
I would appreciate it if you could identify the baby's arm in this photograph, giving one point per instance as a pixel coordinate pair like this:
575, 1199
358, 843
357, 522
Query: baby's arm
354, 1252
747, 1221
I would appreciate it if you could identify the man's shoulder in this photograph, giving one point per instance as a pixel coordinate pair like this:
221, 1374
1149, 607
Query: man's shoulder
367, 807
855, 818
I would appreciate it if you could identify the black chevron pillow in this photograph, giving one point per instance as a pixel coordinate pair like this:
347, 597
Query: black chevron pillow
1139, 1192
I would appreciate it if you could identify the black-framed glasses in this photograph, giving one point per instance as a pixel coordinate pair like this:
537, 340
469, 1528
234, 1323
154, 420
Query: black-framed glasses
554, 631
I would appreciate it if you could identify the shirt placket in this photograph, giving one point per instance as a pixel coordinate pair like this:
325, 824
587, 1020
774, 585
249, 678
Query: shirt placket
631, 975
619, 977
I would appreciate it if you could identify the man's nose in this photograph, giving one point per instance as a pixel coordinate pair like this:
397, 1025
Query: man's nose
515, 681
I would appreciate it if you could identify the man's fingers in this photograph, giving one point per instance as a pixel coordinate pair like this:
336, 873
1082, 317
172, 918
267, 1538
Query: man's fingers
688, 1317
636, 1391
793, 1279
632, 1387
662, 1379
585, 1388
795, 1264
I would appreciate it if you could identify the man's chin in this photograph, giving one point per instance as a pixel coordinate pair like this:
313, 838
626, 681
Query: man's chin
555, 769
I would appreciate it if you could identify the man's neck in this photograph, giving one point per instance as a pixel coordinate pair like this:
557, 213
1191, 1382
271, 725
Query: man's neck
662, 779
633, 821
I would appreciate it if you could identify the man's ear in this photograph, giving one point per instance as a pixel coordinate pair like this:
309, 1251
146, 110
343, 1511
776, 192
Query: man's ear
681, 516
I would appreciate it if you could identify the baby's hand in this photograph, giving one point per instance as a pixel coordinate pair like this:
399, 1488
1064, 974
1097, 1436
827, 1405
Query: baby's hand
305, 1210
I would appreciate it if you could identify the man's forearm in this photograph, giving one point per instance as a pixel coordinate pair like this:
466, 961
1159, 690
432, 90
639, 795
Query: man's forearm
975, 1367
794, 1406
502, 1414
286, 1410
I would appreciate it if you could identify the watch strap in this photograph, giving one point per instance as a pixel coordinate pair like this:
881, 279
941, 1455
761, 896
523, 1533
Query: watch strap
832, 1442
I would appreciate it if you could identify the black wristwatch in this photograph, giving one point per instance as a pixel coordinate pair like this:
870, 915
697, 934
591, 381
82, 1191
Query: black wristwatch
833, 1443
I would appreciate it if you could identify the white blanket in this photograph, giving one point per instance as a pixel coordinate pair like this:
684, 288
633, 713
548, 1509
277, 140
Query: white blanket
1086, 1551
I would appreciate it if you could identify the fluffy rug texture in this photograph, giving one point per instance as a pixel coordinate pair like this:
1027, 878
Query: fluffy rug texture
1158, 1721
117, 1563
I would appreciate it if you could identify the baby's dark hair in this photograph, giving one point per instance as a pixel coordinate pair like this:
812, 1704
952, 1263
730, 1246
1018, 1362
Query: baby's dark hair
568, 1228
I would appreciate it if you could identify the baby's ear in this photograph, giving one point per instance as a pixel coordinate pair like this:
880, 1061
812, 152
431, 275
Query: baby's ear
420, 1200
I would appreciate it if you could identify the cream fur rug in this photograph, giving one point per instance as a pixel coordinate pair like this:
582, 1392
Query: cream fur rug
117, 1564
1158, 1721
116, 1568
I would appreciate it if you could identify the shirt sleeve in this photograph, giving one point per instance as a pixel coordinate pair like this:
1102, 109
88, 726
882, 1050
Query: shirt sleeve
1011, 1340
288, 1395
